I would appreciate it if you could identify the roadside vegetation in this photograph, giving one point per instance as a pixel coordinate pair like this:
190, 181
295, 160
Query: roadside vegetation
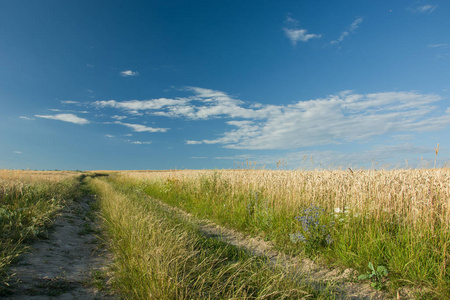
159, 255
392, 226
28, 202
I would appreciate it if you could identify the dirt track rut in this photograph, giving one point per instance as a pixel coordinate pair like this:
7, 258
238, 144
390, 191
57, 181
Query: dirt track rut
64, 265
302, 269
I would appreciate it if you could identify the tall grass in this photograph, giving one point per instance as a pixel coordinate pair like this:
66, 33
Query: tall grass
159, 255
28, 201
399, 219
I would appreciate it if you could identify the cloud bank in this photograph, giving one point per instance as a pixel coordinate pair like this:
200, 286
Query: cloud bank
335, 119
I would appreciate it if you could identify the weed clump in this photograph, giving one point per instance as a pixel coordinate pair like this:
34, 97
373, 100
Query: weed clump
314, 233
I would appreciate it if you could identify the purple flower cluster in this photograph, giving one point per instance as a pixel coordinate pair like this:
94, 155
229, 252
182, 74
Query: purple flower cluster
314, 234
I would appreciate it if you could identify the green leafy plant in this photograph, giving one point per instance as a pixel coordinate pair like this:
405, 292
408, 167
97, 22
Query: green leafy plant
376, 275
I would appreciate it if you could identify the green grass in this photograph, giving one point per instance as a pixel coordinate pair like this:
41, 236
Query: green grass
415, 251
159, 255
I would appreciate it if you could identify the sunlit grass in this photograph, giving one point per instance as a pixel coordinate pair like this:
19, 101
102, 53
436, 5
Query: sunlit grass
399, 219
157, 255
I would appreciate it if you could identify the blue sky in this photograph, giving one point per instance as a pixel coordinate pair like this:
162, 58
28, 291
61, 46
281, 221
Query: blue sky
208, 84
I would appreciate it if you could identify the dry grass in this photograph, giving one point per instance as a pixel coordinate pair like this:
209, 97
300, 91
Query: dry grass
418, 196
36, 175
158, 255
398, 218
28, 201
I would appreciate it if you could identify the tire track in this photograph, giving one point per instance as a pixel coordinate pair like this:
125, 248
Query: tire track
66, 265
301, 269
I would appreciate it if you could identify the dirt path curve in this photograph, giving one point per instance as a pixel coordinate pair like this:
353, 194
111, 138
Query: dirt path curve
302, 269
65, 265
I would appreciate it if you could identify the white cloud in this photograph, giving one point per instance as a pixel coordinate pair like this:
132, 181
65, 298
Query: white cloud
17, 152
140, 143
119, 117
71, 118
213, 104
336, 119
142, 128
68, 110
294, 34
69, 102
193, 142
129, 73
428, 8
26, 118
348, 32
109, 135
438, 45
136, 105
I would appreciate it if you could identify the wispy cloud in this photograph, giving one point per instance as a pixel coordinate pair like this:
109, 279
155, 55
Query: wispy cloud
295, 34
139, 142
69, 102
428, 8
142, 128
351, 30
443, 55
68, 110
439, 45
441, 50
17, 152
109, 135
71, 118
349, 117
136, 105
119, 117
379, 156
26, 118
212, 104
129, 73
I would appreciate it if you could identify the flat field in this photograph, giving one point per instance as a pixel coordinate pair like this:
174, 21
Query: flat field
398, 219
246, 234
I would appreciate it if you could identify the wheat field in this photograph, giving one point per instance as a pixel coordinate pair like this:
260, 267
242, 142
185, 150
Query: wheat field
397, 218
